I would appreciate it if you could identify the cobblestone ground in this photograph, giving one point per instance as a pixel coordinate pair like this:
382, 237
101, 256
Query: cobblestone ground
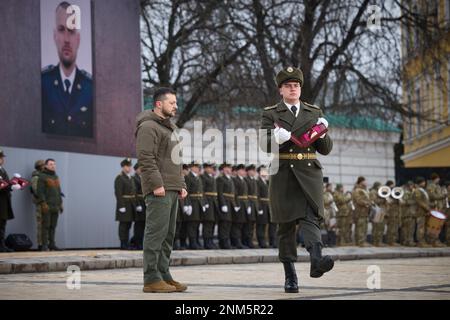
418, 278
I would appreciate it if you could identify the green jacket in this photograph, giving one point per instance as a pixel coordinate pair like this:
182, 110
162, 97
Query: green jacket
423, 202
49, 190
209, 189
297, 182
125, 192
155, 140
225, 197
362, 202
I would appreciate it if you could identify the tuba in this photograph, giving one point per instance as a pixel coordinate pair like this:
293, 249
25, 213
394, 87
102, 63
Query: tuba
384, 192
397, 193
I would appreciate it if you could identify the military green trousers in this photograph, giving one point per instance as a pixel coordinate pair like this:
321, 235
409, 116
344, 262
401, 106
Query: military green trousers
49, 223
160, 224
287, 243
39, 225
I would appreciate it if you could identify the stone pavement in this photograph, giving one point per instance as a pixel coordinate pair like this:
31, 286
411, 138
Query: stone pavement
23, 262
416, 278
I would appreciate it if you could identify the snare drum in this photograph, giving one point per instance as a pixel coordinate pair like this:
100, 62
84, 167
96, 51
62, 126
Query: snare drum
435, 223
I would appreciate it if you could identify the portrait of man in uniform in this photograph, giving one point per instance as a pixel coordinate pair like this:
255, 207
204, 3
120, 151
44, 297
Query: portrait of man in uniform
67, 89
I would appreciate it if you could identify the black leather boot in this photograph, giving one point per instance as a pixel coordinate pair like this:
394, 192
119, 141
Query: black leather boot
176, 244
183, 245
226, 244
124, 245
291, 283
262, 243
319, 264
208, 244
193, 244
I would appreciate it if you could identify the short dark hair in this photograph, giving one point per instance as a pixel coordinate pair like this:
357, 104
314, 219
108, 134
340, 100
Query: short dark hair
63, 4
160, 93
48, 160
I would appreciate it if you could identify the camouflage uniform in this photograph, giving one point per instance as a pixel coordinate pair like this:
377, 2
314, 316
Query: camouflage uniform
361, 200
423, 207
344, 217
407, 218
437, 202
34, 185
393, 221
378, 227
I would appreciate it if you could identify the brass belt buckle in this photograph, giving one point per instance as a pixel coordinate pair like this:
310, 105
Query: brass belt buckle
300, 156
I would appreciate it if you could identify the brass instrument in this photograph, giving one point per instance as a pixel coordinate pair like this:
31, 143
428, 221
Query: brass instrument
397, 193
384, 192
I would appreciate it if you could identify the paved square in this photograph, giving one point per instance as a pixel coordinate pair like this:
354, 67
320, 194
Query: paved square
417, 278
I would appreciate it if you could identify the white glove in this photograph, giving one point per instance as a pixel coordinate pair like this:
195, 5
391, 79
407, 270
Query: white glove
204, 208
122, 210
189, 211
207, 206
260, 212
139, 208
15, 187
185, 209
281, 135
224, 209
237, 209
325, 122
16, 175
249, 210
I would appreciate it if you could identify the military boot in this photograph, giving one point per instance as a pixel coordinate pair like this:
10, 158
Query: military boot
124, 245
262, 243
319, 264
208, 244
3, 247
193, 244
291, 281
183, 245
176, 244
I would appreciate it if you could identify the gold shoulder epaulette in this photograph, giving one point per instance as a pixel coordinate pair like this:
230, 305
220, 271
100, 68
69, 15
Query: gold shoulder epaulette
311, 105
271, 107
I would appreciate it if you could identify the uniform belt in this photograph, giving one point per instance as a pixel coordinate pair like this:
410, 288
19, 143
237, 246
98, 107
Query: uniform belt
253, 197
211, 194
297, 156
264, 199
196, 195
230, 195
129, 196
140, 195
242, 197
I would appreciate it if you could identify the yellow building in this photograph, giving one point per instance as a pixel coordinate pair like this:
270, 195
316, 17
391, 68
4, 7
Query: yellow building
426, 85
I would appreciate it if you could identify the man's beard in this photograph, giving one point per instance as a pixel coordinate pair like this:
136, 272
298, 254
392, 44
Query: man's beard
167, 114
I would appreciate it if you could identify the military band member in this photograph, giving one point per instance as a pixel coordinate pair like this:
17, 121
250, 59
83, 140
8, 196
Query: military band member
437, 202
226, 200
423, 209
378, 227
211, 205
393, 217
262, 219
253, 208
296, 189
241, 209
194, 205
139, 217
362, 203
408, 214
329, 214
67, 91
343, 216
125, 192
447, 212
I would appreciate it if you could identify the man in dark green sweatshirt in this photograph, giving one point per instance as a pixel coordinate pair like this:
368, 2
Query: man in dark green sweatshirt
50, 201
